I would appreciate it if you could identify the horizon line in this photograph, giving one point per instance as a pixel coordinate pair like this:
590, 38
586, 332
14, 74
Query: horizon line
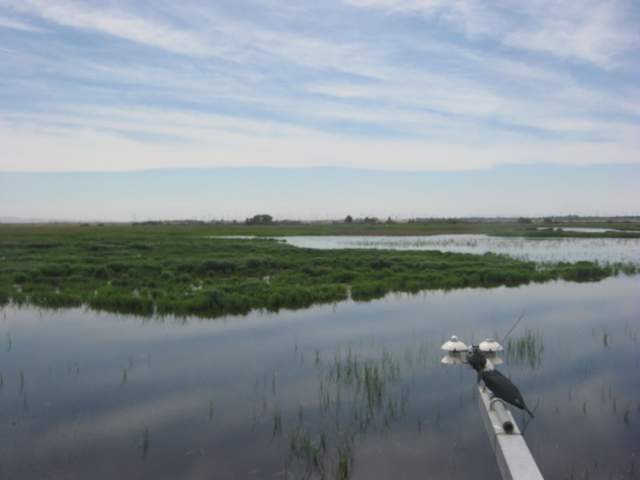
335, 167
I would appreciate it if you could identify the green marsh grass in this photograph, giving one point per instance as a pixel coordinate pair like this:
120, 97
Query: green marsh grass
183, 272
526, 349
358, 392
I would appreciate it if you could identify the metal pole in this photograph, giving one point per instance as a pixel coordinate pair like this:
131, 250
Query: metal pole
512, 453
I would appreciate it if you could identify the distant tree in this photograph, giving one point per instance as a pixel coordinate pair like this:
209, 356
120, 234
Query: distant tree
262, 219
548, 220
371, 220
348, 219
389, 221
524, 220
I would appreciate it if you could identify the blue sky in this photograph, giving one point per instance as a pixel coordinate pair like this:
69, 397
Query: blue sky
400, 85
320, 193
385, 84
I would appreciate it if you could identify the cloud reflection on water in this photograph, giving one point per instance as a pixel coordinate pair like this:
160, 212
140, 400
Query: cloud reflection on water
207, 391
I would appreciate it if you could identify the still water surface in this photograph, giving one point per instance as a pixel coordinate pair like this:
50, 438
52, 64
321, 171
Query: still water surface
353, 385
602, 250
587, 229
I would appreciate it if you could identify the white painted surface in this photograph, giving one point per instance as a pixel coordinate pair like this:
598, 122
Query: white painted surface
512, 453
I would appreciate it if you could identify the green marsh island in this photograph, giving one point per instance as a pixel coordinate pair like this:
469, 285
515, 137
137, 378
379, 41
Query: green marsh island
212, 270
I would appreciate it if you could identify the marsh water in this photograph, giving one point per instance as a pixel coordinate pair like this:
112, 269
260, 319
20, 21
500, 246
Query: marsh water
587, 229
352, 389
602, 250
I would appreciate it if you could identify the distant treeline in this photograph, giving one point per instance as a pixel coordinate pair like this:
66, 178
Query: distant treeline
267, 219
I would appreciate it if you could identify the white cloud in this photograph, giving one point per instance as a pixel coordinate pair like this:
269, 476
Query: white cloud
471, 16
286, 106
209, 34
591, 31
597, 32
119, 422
113, 22
246, 42
29, 147
12, 23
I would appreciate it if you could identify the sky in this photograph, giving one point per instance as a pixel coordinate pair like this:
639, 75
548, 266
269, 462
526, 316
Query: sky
319, 193
391, 85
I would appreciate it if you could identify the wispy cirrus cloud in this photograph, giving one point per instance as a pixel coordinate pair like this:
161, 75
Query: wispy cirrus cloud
597, 32
111, 21
424, 84
600, 33
12, 23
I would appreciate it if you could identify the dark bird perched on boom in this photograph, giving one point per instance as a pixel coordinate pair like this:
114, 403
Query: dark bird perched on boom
476, 359
504, 389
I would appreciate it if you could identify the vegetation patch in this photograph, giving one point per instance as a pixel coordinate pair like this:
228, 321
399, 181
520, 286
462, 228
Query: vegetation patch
172, 270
